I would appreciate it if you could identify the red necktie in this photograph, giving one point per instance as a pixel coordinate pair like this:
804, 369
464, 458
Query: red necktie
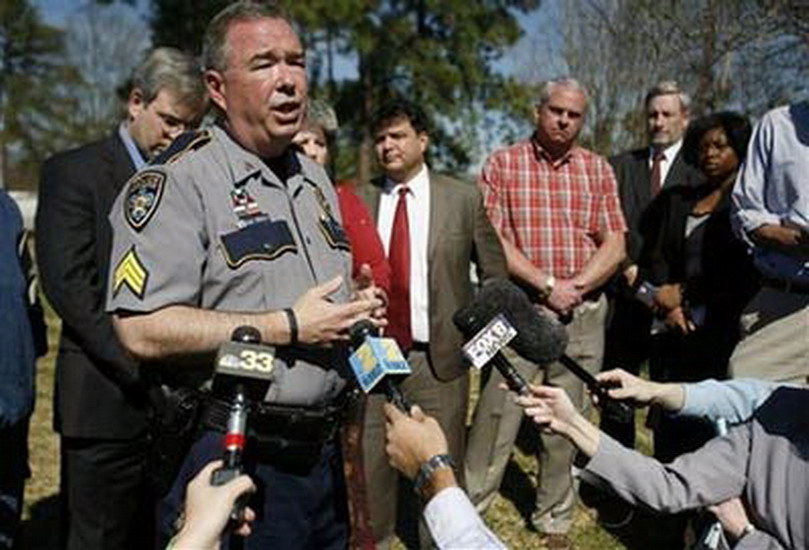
399, 259
656, 182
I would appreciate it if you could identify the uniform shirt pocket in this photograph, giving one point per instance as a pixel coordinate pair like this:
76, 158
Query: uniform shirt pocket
264, 240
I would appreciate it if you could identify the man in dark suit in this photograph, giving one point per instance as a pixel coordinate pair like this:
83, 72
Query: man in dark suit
432, 227
641, 174
100, 403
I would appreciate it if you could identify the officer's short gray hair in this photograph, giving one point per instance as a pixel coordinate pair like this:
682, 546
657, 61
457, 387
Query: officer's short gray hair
215, 44
669, 87
563, 82
171, 69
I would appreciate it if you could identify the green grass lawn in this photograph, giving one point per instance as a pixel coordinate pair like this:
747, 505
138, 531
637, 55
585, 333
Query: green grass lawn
506, 517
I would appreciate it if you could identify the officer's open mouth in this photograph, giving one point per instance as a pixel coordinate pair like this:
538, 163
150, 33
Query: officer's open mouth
287, 107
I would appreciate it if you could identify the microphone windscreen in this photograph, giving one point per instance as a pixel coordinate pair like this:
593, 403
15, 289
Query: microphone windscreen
471, 318
540, 338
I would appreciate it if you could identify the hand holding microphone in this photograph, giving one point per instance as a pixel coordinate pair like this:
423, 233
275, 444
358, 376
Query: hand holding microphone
552, 410
412, 440
208, 510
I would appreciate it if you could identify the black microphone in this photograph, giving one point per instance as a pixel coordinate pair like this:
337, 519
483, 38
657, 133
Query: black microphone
378, 362
538, 338
242, 358
487, 342
542, 340
488, 322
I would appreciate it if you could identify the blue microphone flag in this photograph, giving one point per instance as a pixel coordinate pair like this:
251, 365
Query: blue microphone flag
375, 359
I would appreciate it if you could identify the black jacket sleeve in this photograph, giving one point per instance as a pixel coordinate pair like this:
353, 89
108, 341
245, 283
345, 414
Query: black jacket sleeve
68, 224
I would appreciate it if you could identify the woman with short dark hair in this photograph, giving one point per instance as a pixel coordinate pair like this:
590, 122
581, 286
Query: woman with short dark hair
703, 274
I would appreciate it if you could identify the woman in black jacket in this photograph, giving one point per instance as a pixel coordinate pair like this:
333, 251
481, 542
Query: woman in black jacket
702, 273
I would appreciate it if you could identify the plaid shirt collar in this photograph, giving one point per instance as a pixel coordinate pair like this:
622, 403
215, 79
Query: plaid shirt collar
542, 155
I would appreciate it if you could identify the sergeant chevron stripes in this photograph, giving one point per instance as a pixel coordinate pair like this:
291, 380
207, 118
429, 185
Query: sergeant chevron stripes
130, 272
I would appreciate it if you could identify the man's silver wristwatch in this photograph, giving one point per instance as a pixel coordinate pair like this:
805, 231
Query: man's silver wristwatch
427, 470
547, 289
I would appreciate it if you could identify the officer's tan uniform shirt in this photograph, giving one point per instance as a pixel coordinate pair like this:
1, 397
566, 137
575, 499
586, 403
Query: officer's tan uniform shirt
214, 227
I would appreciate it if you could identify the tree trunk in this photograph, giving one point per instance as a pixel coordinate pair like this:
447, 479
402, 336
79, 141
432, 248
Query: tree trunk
368, 106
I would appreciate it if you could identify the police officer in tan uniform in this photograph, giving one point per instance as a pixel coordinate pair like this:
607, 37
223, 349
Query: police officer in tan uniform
231, 228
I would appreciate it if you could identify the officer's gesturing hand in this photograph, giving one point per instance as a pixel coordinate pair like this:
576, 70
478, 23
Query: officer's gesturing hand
365, 288
321, 321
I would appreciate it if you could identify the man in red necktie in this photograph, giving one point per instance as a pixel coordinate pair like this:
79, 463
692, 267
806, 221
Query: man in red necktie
432, 228
642, 174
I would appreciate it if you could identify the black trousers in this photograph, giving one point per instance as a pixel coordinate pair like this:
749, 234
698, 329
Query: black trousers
294, 511
685, 358
13, 472
627, 345
106, 502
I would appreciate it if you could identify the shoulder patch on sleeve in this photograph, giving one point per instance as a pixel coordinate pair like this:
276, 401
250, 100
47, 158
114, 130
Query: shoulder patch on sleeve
189, 141
143, 195
131, 273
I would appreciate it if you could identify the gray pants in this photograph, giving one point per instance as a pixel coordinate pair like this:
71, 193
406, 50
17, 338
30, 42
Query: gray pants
497, 421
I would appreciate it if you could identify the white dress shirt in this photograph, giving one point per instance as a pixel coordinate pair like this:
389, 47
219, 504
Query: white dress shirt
669, 154
455, 525
418, 217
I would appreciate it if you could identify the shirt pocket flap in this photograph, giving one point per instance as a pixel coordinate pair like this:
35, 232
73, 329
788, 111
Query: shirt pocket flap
264, 240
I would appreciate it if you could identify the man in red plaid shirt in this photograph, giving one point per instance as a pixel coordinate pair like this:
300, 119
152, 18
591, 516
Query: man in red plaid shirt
556, 210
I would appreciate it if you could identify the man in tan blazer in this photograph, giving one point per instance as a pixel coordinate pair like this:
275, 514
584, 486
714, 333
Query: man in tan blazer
432, 228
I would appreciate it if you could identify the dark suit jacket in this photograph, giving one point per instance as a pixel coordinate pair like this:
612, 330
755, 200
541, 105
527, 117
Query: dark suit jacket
96, 395
729, 280
460, 233
634, 187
